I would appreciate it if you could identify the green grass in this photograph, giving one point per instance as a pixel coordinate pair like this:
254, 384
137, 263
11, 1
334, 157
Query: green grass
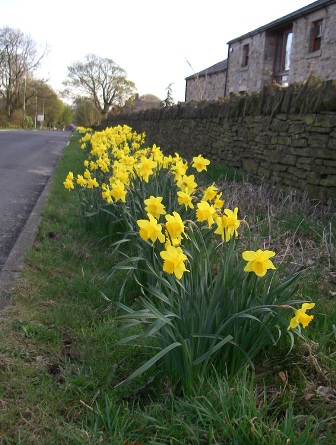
59, 367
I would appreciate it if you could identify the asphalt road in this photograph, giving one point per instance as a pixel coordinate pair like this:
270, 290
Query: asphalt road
27, 161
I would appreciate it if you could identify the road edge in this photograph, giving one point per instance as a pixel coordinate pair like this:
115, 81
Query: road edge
15, 260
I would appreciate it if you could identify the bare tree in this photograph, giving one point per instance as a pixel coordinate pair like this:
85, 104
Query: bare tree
19, 58
101, 80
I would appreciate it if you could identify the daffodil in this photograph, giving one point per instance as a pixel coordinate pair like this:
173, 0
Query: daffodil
150, 229
145, 168
180, 168
118, 191
209, 193
218, 201
173, 241
200, 163
106, 193
187, 183
123, 176
154, 206
258, 262
68, 184
81, 181
167, 161
205, 212
93, 165
174, 261
228, 224
87, 174
185, 199
92, 182
300, 316
174, 225
103, 164
157, 155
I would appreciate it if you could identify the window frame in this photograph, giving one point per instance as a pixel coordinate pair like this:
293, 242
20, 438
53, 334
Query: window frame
280, 70
316, 36
246, 55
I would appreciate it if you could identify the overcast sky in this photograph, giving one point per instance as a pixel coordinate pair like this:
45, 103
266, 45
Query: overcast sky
156, 42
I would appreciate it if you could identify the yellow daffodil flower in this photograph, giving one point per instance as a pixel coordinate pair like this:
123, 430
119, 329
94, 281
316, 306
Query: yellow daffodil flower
91, 183
68, 184
154, 206
157, 155
106, 193
205, 212
174, 225
118, 191
81, 181
179, 169
87, 174
103, 165
145, 168
174, 261
150, 229
258, 262
200, 163
123, 176
185, 198
210, 193
228, 224
218, 202
300, 316
93, 166
187, 183
166, 161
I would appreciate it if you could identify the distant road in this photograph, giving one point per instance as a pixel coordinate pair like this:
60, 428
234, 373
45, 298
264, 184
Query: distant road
27, 160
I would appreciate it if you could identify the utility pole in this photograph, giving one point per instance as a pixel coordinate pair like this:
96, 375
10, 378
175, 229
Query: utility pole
43, 108
36, 112
24, 100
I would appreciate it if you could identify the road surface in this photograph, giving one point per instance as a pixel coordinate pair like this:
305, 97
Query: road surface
27, 160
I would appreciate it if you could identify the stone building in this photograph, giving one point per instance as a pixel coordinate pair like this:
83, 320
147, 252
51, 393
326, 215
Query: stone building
288, 50
207, 84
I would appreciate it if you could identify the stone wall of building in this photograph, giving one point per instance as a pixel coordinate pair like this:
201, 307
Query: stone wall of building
209, 87
286, 136
242, 79
303, 62
322, 63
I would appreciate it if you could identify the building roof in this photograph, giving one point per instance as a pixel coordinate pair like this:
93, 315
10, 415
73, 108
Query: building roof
217, 68
289, 17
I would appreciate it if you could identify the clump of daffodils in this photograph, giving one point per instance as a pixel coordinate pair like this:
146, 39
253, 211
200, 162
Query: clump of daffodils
179, 227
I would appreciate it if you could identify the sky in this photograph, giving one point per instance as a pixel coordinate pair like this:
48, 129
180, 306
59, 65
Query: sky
157, 42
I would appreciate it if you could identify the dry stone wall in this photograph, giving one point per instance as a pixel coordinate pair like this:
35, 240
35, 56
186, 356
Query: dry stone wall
286, 136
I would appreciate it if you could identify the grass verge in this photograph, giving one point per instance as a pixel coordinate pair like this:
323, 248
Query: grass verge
59, 367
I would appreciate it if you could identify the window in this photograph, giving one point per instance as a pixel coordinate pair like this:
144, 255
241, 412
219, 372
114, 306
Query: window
246, 53
287, 50
316, 34
282, 56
